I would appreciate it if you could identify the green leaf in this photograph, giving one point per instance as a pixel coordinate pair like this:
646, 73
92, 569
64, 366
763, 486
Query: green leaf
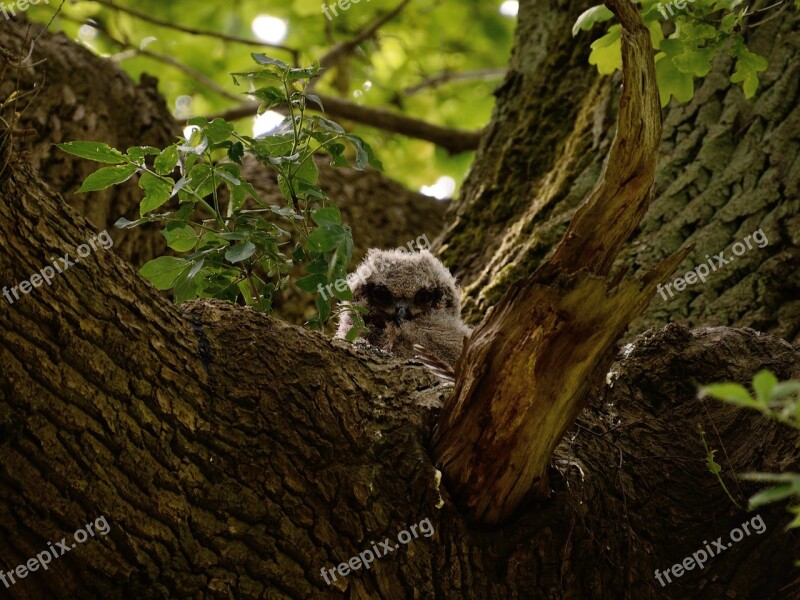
785, 388
338, 158
156, 192
748, 65
108, 176
325, 239
123, 223
303, 72
695, 61
257, 74
196, 268
329, 125
671, 81
236, 152
166, 162
309, 283
596, 14
307, 171
270, 97
732, 393
137, 153
185, 289
763, 383
607, 51
274, 145
164, 271
713, 465
94, 151
216, 131
327, 215
345, 295
772, 494
181, 238
793, 478
202, 180
263, 59
240, 252
323, 307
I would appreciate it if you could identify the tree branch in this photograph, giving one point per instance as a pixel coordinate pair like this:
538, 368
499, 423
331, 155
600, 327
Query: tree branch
134, 50
342, 49
526, 372
192, 31
452, 140
440, 79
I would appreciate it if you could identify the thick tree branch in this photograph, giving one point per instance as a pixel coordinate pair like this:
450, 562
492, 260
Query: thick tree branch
526, 371
214, 480
452, 140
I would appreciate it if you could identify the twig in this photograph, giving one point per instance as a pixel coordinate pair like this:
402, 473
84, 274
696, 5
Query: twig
134, 50
342, 49
769, 18
446, 76
192, 31
452, 140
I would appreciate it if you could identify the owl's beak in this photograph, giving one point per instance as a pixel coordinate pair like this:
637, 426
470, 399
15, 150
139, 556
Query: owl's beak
401, 312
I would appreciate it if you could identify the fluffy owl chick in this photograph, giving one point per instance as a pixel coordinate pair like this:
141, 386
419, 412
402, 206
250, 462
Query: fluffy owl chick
412, 299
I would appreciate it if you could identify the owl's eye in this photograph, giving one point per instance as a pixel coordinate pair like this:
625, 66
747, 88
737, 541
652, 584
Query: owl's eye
426, 297
380, 296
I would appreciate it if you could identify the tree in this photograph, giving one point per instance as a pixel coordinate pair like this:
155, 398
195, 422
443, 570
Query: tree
217, 481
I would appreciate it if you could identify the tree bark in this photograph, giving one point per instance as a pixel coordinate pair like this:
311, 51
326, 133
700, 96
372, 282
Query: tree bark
727, 166
219, 482
511, 403
235, 456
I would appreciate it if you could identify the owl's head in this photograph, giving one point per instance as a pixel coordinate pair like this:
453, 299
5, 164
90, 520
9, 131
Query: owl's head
397, 286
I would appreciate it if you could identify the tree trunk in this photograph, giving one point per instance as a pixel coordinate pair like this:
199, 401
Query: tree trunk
235, 456
727, 167
217, 482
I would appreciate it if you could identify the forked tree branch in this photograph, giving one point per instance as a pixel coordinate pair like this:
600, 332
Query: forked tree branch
525, 373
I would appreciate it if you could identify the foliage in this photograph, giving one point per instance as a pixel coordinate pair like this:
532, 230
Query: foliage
426, 39
778, 401
701, 30
715, 468
228, 244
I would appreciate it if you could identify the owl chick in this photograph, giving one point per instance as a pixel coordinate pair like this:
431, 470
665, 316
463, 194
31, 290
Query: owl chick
412, 299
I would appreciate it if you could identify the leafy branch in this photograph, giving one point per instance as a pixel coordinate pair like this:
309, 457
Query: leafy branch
701, 29
227, 240
776, 400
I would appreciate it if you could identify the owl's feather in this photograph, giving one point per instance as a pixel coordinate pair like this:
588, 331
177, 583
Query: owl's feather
412, 299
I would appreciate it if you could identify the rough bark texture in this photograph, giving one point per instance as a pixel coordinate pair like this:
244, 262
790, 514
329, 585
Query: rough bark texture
234, 456
219, 482
727, 167
527, 369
